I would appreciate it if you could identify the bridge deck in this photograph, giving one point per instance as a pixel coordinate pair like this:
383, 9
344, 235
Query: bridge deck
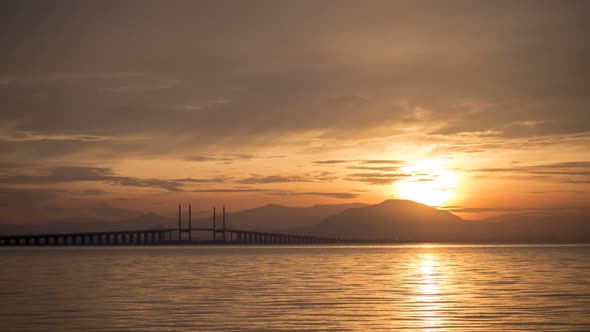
159, 236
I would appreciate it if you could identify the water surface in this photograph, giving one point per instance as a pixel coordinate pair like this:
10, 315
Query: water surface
296, 288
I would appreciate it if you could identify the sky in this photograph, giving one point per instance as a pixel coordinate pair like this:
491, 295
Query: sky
110, 108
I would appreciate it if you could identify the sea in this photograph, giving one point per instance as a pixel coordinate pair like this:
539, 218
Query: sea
425, 287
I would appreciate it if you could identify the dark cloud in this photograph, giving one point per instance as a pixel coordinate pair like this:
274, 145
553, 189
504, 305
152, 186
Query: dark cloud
395, 70
574, 181
89, 192
93, 174
569, 164
204, 158
62, 174
148, 183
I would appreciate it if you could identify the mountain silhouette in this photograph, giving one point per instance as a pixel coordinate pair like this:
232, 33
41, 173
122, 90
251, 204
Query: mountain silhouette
403, 220
527, 227
392, 220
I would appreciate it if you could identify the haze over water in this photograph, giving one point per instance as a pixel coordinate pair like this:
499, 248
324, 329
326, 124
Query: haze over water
277, 288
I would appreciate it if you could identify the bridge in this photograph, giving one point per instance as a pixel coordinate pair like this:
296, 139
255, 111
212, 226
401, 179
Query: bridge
222, 235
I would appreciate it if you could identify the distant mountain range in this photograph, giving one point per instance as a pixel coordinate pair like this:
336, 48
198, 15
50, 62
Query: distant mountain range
391, 220
278, 218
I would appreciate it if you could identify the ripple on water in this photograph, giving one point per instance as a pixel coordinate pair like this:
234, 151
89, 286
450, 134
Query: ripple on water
347, 288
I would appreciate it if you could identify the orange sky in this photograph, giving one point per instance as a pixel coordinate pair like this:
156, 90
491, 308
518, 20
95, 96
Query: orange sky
110, 110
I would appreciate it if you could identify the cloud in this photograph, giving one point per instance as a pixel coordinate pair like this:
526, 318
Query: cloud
205, 104
28, 136
88, 192
479, 142
573, 181
370, 162
553, 192
148, 183
274, 192
331, 162
164, 84
51, 149
384, 161
228, 158
264, 179
338, 195
508, 209
131, 82
376, 168
397, 81
233, 157
569, 164
331, 194
565, 172
202, 180
314, 83
55, 77
65, 174
62, 174
376, 178
229, 190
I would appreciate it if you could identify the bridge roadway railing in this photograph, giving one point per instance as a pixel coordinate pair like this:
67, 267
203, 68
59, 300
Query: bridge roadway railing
151, 236
160, 236
242, 236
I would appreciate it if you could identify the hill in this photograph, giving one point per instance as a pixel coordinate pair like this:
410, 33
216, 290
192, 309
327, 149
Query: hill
392, 220
526, 227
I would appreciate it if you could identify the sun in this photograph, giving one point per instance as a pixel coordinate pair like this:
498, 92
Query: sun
428, 182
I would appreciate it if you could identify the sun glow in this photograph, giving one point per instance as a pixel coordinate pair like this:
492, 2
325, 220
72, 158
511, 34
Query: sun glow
429, 182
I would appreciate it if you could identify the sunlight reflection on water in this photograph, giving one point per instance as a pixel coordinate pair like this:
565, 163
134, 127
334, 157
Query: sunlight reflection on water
429, 288
336, 288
